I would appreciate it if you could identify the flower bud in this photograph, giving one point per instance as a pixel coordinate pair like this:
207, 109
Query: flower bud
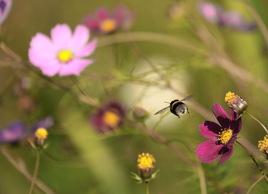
146, 165
40, 137
235, 102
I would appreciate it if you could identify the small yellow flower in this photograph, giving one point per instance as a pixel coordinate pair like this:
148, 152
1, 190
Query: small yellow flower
41, 133
235, 102
263, 144
146, 165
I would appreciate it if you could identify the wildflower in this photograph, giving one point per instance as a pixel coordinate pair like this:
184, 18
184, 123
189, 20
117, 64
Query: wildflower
104, 21
64, 53
5, 6
235, 102
140, 114
263, 145
216, 14
13, 133
146, 165
40, 137
108, 118
222, 135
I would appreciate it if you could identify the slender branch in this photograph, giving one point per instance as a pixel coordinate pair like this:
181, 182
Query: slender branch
36, 168
20, 166
263, 126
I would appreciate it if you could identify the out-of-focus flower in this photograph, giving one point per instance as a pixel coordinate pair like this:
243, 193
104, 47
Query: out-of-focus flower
40, 137
235, 102
263, 145
222, 135
108, 118
13, 133
104, 21
216, 14
140, 114
5, 6
175, 10
64, 53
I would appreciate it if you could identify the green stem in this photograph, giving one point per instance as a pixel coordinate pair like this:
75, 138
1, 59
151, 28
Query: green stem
253, 159
253, 185
147, 188
36, 168
257, 121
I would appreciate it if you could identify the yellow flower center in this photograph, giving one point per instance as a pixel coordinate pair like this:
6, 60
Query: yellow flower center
263, 144
146, 161
225, 135
41, 133
230, 97
65, 56
108, 25
111, 118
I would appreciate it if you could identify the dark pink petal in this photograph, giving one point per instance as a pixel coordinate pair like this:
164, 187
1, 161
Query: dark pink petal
224, 157
208, 151
91, 23
221, 116
102, 13
210, 129
235, 124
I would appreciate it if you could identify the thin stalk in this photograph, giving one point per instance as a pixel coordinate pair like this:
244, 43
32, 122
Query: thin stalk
147, 188
36, 168
253, 185
253, 159
257, 121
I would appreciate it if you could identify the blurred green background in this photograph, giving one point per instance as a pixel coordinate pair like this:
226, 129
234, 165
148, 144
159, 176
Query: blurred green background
159, 59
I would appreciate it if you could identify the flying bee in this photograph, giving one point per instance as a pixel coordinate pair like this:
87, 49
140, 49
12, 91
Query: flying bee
177, 107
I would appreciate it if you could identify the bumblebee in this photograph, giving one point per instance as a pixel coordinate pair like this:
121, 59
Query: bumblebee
177, 107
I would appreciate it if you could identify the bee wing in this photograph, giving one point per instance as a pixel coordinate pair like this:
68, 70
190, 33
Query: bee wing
187, 98
161, 111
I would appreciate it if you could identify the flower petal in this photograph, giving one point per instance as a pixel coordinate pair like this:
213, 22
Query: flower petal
74, 67
61, 34
210, 129
235, 124
221, 116
80, 37
208, 151
14, 132
42, 45
224, 157
87, 50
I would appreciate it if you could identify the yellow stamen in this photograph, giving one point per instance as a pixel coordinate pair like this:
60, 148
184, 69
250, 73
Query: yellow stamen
111, 119
225, 135
146, 161
108, 25
263, 144
230, 97
41, 133
65, 56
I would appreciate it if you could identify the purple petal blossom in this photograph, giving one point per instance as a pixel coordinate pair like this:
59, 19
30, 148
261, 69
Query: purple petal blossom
222, 136
104, 21
64, 53
216, 14
5, 6
14, 132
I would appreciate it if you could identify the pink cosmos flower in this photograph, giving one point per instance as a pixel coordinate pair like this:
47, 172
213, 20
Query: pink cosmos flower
222, 136
64, 53
5, 6
104, 21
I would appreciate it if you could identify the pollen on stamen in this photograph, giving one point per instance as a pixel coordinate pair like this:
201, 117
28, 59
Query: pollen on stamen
65, 56
111, 119
263, 144
225, 136
108, 25
41, 133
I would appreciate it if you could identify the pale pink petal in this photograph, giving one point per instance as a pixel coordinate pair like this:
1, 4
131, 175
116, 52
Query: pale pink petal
224, 157
208, 151
42, 45
210, 129
61, 34
80, 37
74, 67
50, 69
221, 115
87, 50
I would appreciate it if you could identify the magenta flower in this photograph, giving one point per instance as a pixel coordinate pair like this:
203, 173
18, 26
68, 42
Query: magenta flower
108, 118
5, 6
222, 135
64, 53
104, 21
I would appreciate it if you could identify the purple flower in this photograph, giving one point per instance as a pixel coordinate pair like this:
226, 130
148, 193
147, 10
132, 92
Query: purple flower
104, 21
222, 135
13, 133
64, 53
215, 14
108, 118
5, 6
